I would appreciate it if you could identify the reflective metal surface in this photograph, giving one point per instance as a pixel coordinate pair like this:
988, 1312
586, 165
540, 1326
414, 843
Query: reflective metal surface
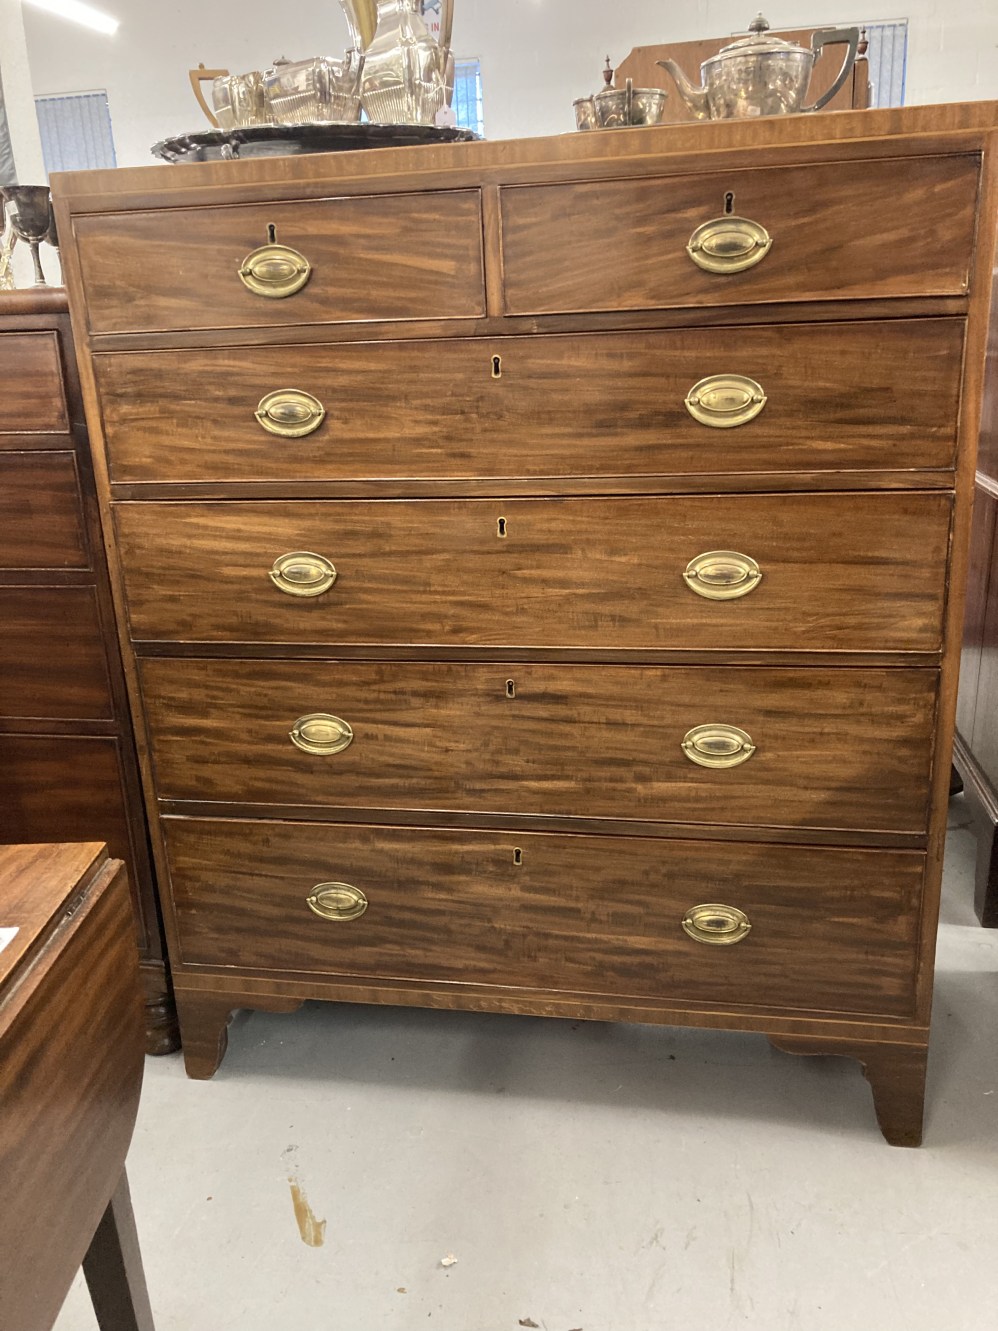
716, 925
408, 76
314, 92
722, 575
761, 75
337, 902
724, 401
729, 244
290, 413
301, 573
718, 745
274, 271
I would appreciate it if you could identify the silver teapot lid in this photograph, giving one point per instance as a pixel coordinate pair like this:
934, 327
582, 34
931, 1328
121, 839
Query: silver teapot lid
757, 43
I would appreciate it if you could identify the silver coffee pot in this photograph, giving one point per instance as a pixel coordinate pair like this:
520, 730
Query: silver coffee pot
762, 75
408, 76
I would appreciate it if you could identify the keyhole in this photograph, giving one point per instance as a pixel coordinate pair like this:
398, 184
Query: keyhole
511, 688
272, 233
501, 526
518, 856
729, 202
496, 367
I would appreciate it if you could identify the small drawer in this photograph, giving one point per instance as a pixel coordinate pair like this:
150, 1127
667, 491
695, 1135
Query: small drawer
41, 515
835, 231
827, 929
33, 401
63, 787
855, 396
726, 745
813, 572
346, 260
52, 661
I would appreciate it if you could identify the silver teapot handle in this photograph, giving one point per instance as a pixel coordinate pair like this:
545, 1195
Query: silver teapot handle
447, 23
834, 37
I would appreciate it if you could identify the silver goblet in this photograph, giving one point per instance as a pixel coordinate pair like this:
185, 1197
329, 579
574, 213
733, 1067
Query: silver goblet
30, 210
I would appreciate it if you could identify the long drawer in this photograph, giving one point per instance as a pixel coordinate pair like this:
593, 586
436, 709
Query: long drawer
52, 662
833, 397
41, 516
393, 256
856, 572
828, 929
802, 748
34, 395
834, 231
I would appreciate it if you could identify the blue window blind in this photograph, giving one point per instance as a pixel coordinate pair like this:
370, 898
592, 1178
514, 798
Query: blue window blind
887, 59
76, 131
468, 95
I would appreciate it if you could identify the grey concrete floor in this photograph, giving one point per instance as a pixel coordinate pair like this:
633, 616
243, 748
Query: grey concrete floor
608, 1178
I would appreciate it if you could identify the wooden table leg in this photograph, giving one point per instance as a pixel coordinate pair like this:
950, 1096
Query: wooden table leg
113, 1268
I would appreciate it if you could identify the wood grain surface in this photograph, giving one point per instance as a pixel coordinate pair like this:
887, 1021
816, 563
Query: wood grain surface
875, 395
835, 748
411, 256
830, 928
839, 572
913, 236
71, 1050
33, 399
41, 517
52, 662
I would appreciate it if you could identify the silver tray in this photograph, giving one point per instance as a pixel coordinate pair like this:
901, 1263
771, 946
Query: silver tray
215, 145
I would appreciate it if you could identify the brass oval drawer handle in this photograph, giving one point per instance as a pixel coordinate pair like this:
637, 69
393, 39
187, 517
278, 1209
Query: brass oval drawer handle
722, 575
274, 271
321, 734
724, 401
337, 901
729, 244
718, 745
300, 573
716, 925
290, 413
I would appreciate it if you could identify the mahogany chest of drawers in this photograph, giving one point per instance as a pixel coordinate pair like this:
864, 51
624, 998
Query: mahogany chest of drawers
68, 767
541, 567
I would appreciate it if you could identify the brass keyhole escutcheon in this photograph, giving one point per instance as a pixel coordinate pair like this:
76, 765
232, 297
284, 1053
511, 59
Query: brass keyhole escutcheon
501, 528
717, 745
511, 688
337, 902
496, 367
716, 925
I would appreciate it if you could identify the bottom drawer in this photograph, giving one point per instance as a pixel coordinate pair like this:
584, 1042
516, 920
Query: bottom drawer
831, 929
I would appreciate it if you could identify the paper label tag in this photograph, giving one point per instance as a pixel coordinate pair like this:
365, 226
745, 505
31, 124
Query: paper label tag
8, 936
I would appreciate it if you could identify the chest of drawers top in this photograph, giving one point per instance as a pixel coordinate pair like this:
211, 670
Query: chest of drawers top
860, 206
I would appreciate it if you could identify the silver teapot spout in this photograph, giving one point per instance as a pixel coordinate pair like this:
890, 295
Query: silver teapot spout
694, 97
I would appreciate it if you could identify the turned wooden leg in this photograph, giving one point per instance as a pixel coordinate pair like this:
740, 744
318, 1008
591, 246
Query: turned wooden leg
162, 1031
204, 1021
113, 1268
896, 1073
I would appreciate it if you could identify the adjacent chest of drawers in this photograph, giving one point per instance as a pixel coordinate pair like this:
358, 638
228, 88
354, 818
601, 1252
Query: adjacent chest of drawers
543, 563
68, 768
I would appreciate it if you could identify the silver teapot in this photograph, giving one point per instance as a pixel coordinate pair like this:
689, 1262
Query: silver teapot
408, 74
761, 75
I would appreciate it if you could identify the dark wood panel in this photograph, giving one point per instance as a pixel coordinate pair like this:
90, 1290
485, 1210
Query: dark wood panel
873, 395
831, 929
34, 396
978, 583
62, 788
52, 661
913, 236
839, 572
406, 256
41, 520
835, 748
70, 1076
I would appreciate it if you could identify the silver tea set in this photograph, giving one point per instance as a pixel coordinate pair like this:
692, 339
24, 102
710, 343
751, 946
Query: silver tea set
396, 73
25, 215
758, 75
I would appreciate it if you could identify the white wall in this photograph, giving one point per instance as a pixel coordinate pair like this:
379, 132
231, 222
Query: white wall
537, 55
